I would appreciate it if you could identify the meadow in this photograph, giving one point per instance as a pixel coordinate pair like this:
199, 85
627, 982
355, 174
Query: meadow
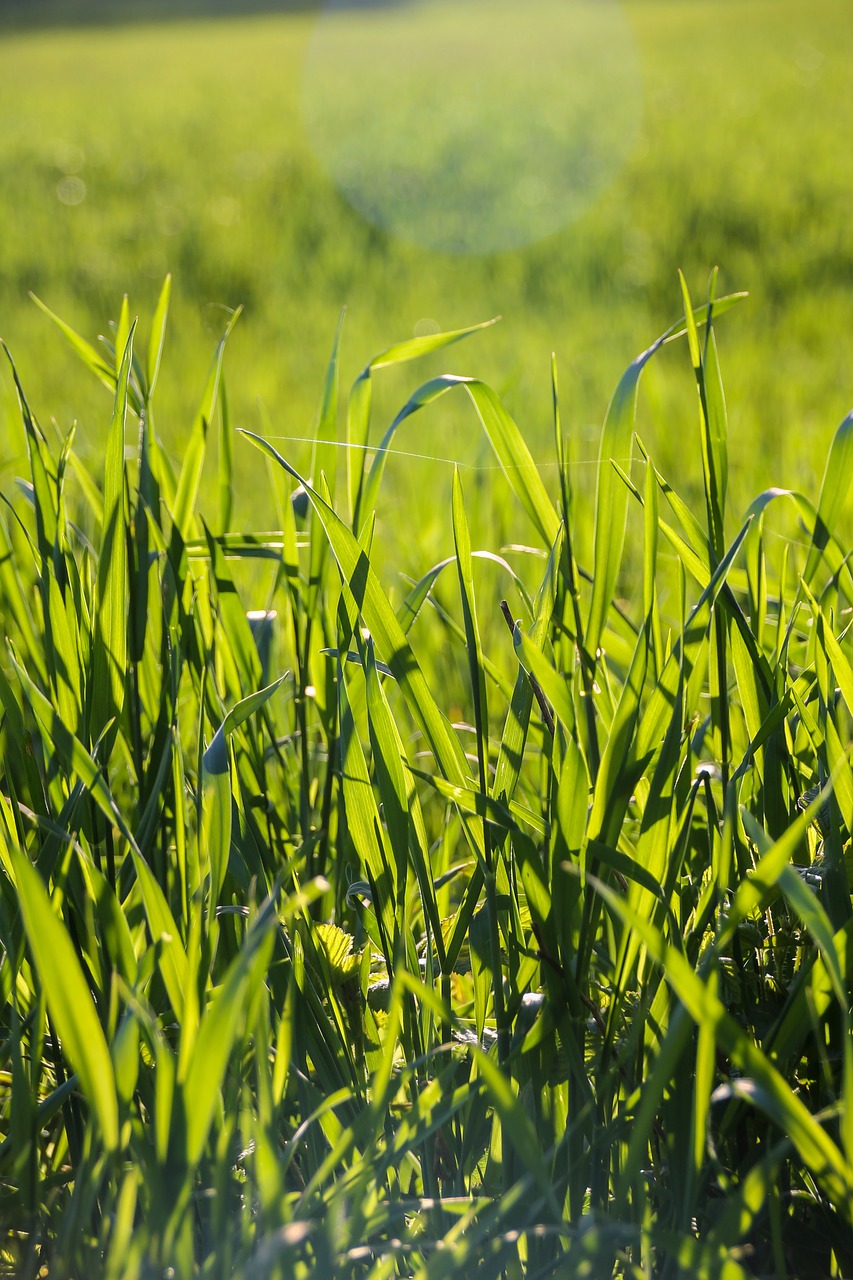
426, 802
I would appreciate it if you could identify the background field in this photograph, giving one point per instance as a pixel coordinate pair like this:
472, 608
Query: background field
132, 149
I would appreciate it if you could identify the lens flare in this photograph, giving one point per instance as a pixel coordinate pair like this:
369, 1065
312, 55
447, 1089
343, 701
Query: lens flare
473, 126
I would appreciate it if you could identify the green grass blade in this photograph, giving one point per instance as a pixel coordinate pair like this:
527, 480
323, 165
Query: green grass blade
761, 1083
110, 643
381, 620
226, 464
611, 499
363, 822
69, 999
158, 336
216, 789
834, 491
122, 335
71, 750
90, 356
218, 1030
462, 543
190, 477
504, 436
361, 398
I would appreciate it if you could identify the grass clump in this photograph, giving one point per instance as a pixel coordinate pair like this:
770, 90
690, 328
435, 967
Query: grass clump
308, 970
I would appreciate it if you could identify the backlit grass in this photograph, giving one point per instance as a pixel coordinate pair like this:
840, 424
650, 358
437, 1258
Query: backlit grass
367, 939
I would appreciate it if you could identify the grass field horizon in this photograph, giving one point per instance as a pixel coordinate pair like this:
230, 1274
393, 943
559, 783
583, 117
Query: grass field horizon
741, 161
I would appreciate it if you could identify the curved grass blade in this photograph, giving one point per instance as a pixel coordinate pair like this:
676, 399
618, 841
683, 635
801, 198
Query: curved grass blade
504, 436
361, 396
90, 356
834, 491
387, 633
611, 500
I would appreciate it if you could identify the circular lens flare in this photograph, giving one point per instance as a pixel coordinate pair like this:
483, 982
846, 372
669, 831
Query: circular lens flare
474, 125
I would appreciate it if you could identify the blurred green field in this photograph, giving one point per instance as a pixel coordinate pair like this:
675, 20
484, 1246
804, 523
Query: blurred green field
129, 151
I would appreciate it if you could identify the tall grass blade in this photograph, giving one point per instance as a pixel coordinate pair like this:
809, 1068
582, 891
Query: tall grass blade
111, 641
834, 491
158, 336
69, 999
190, 477
390, 639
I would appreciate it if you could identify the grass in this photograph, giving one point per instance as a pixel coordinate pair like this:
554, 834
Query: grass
347, 938
741, 158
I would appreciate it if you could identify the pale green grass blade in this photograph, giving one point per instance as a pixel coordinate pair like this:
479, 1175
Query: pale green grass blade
90, 356
123, 1229
190, 477
554, 685
110, 645
462, 543
122, 335
686, 651
517, 1125
416, 348
158, 336
226, 463
324, 458
811, 913
514, 737
425, 395
839, 661
615, 780
63, 644
324, 469
611, 501
389, 637
471, 800
650, 550
712, 423
43, 497
401, 804
17, 606
164, 930
655, 843
834, 491
235, 632
831, 550
69, 999
363, 822
516, 460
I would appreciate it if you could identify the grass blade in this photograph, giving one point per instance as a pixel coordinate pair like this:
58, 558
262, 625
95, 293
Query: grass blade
69, 999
